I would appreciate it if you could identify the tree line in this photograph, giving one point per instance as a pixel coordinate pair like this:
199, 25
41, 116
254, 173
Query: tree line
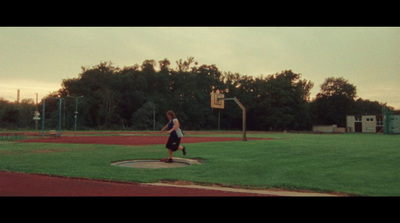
137, 98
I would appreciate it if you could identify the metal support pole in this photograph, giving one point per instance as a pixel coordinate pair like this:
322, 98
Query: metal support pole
76, 113
44, 105
219, 119
76, 109
154, 117
59, 118
243, 117
244, 125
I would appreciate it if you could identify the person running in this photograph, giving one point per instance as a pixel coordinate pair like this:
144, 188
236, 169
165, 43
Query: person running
175, 135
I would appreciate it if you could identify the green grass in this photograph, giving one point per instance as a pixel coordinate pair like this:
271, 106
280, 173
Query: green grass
359, 164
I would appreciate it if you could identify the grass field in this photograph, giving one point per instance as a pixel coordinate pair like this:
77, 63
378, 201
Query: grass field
356, 164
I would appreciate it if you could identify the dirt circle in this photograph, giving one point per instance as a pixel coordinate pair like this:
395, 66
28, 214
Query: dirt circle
154, 164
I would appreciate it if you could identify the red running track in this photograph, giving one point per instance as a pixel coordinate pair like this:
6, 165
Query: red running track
22, 184
131, 140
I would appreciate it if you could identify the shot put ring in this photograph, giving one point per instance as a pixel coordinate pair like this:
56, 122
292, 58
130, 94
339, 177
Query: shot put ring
154, 164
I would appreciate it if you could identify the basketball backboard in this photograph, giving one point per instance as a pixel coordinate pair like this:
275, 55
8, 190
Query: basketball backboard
215, 102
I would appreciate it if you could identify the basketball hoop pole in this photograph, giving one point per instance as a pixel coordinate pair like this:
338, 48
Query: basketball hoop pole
244, 114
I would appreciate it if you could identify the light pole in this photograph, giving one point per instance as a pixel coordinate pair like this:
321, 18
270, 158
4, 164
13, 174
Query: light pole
76, 107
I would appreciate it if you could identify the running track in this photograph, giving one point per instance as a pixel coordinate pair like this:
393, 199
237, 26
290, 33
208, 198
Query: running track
22, 184
131, 140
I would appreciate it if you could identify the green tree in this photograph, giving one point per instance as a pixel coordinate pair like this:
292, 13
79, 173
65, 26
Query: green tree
367, 107
338, 87
334, 102
142, 119
287, 95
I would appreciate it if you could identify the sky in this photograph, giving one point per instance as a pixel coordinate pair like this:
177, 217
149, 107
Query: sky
37, 59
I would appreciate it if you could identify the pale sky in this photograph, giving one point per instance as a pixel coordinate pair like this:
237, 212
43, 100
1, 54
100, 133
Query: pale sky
36, 59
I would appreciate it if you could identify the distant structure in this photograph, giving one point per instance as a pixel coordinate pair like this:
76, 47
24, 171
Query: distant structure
328, 129
388, 124
18, 96
364, 123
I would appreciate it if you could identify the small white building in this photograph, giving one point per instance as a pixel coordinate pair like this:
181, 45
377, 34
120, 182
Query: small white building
328, 129
364, 123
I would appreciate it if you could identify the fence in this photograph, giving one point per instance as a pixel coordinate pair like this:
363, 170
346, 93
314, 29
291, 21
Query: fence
11, 136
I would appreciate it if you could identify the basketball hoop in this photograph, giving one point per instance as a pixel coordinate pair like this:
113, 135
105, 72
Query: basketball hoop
217, 100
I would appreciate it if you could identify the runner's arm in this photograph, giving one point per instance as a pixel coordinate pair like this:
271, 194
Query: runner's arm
164, 128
